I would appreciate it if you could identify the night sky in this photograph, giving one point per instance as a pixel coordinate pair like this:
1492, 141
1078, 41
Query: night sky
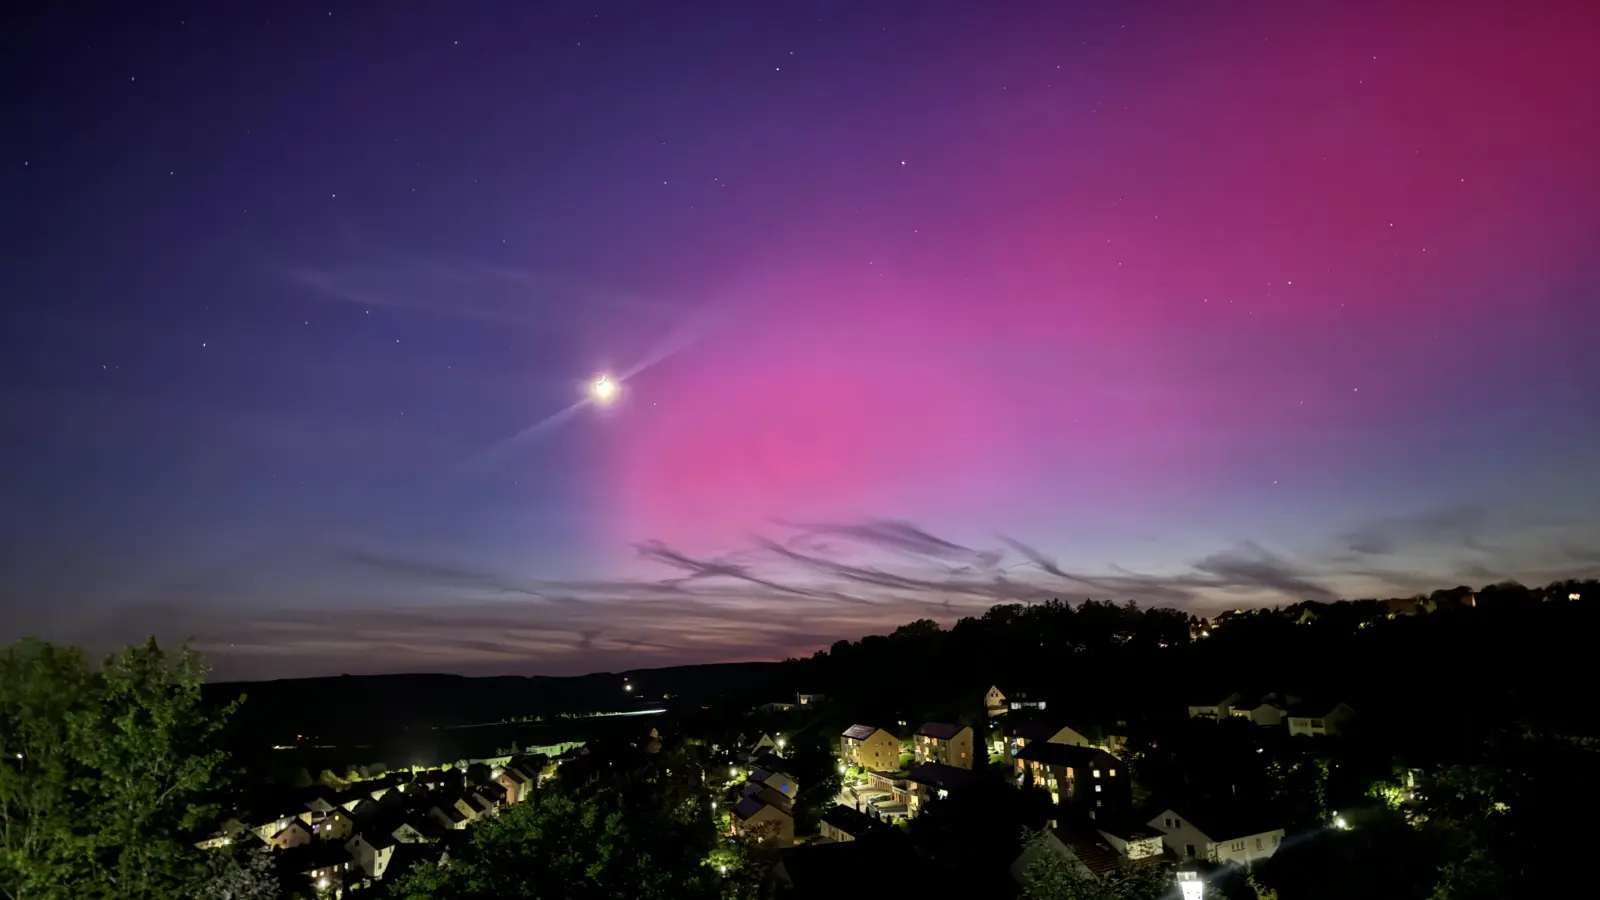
915, 307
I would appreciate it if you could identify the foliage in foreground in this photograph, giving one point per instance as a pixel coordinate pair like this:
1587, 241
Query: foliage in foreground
102, 773
1053, 876
557, 845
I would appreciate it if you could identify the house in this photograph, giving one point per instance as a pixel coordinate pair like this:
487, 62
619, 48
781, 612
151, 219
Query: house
766, 779
1214, 708
942, 742
295, 833
1133, 839
776, 707
845, 823
515, 782
1265, 712
885, 796
372, 852
762, 744
995, 702
335, 825
933, 781
1320, 720
1086, 778
1020, 700
808, 701
407, 833
449, 815
869, 747
1225, 833
1020, 734
1096, 853
326, 866
765, 815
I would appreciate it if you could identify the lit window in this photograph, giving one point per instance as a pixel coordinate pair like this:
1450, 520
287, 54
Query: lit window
1113, 773
1097, 773
1097, 789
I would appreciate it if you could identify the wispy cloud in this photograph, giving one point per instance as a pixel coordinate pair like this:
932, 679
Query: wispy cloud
770, 598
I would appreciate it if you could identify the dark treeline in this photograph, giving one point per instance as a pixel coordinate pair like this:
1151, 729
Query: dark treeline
1518, 650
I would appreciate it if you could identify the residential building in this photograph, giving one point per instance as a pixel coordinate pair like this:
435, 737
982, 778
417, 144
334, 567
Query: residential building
934, 781
1020, 734
1134, 840
766, 816
1095, 853
885, 796
1084, 778
294, 833
515, 782
844, 823
1020, 700
372, 852
406, 833
762, 744
334, 825
1225, 833
869, 747
327, 867
1264, 712
995, 702
761, 779
1320, 720
943, 742
1215, 708
808, 701
449, 815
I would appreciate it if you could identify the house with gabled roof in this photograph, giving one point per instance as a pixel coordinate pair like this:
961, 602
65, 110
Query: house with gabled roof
294, 833
1225, 832
1214, 707
943, 742
764, 815
761, 779
1319, 719
372, 851
869, 747
1093, 852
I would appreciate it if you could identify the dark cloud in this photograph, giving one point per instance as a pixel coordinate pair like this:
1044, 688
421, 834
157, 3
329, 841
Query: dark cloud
1449, 526
1251, 567
432, 573
899, 536
698, 568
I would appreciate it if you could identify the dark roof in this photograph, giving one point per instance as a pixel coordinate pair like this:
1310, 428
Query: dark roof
860, 732
852, 821
941, 775
748, 807
1222, 820
450, 811
1063, 755
941, 730
1128, 830
820, 869
1098, 856
513, 775
377, 838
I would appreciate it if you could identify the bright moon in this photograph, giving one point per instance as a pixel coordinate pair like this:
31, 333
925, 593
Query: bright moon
603, 389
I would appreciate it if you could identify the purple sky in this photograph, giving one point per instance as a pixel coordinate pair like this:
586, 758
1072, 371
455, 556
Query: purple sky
916, 307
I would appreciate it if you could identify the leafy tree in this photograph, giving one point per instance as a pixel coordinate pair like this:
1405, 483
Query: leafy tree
246, 875
557, 845
103, 773
1052, 875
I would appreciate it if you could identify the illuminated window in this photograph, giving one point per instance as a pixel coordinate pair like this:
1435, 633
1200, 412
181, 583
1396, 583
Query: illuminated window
1113, 773
1097, 789
1097, 773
